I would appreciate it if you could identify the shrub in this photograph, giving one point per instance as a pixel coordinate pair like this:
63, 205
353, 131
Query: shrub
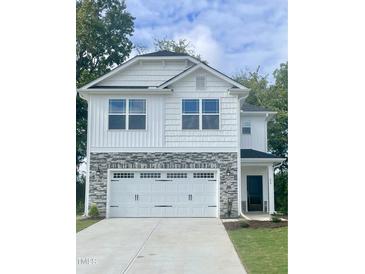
275, 219
93, 211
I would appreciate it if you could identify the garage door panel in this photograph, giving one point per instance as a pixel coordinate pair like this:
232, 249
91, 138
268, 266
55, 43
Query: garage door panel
163, 194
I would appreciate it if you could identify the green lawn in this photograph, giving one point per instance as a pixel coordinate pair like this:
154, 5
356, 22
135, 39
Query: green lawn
262, 250
84, 223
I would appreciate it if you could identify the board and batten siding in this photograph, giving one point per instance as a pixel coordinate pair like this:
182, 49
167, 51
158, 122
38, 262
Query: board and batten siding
164, 117
103, 138
258, 138
224, 138
147, 73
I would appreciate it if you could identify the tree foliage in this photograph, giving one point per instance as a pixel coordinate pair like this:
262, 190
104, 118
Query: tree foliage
274, 97
178, 46
103, 29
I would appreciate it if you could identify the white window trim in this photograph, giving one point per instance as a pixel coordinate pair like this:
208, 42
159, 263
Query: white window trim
246, 124
192, 114
115, 113
201, 114
126, 115
219, 114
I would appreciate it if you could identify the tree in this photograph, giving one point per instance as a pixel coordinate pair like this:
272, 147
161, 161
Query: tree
178, 46
103, 29
274, 97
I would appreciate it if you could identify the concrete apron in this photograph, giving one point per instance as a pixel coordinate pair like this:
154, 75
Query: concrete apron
150, 245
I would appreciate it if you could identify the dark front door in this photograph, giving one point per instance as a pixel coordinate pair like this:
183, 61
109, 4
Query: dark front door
254, 193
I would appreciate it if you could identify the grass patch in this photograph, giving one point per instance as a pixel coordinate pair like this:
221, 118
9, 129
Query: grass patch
84, 223
262, 250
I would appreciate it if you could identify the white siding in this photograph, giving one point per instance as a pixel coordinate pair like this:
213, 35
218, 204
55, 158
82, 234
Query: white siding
257, 139
164, 131
102, 137
225, 137
146, 73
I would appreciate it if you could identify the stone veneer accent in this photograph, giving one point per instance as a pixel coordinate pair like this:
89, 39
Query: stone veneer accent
225, 161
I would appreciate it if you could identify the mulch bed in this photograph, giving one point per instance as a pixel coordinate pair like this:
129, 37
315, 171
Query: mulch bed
254, 224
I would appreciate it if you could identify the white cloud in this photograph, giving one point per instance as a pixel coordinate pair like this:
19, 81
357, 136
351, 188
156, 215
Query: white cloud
230, 35
204, 43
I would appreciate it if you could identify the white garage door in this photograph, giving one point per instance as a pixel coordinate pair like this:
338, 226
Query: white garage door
163, 194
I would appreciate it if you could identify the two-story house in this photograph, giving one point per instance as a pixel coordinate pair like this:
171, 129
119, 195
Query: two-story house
170, 136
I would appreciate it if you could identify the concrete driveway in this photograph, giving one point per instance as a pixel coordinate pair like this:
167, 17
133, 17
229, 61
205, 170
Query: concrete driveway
150, 245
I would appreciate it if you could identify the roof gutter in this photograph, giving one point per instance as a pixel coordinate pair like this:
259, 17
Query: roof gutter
262, 160
243, 93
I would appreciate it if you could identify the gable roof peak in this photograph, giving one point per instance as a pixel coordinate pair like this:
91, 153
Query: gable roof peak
162, 53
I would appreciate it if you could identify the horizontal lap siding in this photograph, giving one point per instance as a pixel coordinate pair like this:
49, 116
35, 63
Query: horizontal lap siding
101, 137
147, 73
225, 137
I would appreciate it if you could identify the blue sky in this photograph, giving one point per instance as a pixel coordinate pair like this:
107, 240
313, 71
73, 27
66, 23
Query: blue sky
232, 35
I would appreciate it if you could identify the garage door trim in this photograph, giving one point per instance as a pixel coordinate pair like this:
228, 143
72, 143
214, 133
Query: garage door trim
111, 170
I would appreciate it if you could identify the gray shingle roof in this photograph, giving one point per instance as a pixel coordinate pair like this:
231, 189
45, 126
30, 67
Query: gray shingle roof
251, 153
249, 107
163, 53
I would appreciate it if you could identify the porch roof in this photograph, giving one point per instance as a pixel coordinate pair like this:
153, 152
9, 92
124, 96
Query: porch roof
256, 154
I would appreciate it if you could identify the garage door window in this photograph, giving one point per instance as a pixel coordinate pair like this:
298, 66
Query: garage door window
203, 175
123, 175
147, 175
177, 175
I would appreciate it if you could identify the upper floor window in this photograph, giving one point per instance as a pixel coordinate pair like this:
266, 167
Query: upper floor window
197, 112
190, 114
210, 114
117, 114
200, 82
127, 114
246, 129
137, 114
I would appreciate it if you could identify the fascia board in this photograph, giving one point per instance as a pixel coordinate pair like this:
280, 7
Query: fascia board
262, 160
154, 91
182, 75
111, 73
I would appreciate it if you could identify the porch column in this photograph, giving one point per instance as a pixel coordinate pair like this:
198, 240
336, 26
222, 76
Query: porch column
270, 176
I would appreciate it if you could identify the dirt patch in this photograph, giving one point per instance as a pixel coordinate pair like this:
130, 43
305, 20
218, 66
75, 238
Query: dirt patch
253, 224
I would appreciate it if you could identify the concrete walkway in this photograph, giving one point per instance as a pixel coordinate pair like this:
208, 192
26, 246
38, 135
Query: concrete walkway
149, 245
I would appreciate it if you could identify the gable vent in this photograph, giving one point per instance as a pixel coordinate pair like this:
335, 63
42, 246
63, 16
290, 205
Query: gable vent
200, 82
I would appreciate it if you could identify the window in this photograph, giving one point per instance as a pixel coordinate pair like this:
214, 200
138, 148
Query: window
246, 129
210, 114
146, 175
190, 114
117, 114
137, 114
123, 175
177, 175
203, 175
123, 117
200, 82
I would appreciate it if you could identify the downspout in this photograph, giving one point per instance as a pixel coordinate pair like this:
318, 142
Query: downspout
239, 179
